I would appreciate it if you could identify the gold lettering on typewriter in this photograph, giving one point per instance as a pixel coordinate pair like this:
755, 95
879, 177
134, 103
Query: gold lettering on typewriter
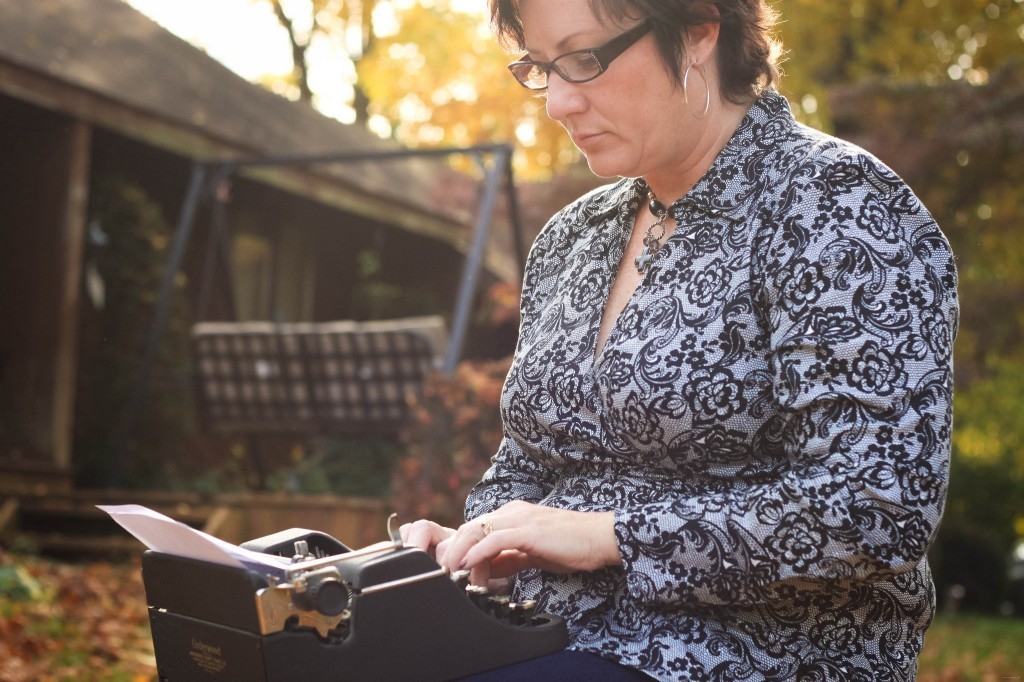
207, 657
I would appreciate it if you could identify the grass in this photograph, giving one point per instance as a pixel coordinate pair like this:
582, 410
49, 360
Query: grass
973, 648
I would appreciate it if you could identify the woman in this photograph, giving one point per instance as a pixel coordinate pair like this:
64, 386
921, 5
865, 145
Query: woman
727, 421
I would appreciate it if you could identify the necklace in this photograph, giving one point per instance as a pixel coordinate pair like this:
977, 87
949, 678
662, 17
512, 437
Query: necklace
652, 241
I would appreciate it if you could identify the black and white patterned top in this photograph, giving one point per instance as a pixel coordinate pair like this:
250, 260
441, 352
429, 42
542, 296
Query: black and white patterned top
769, 419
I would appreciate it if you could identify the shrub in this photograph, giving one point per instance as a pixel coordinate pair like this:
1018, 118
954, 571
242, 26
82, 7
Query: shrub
455, 429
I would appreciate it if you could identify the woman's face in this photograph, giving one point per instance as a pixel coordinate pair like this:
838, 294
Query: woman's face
629, 121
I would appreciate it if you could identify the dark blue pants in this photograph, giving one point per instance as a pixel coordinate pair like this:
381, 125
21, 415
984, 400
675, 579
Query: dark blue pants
564, 666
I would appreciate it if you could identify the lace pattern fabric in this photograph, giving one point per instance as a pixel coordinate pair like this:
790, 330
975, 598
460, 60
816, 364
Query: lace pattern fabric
769, 419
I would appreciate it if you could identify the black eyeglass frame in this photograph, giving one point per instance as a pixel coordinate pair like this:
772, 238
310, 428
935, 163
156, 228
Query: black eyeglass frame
603, 54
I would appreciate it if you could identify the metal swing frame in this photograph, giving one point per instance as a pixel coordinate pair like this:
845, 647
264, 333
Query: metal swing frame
208, 176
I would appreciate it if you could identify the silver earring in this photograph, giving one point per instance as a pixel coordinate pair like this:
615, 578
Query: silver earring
707, 89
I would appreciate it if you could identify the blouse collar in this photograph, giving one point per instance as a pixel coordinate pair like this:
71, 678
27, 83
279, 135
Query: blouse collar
733, 181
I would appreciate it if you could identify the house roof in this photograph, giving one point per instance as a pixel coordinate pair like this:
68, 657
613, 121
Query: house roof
104, 62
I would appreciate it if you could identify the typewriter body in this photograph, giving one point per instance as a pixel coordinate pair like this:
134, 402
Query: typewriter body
383, 613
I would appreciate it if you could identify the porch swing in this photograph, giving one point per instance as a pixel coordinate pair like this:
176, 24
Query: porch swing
309, 378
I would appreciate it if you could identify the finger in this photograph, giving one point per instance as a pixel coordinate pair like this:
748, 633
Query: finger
513, 543
425, 535
418, 535
480, 574
508, 563
484, 551
455, 548
442, 549
467, 536
488, 562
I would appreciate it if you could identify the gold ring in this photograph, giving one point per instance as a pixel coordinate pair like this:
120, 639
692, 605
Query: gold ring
486, 524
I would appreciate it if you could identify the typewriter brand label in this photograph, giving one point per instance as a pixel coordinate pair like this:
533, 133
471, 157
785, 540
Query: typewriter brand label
207, 657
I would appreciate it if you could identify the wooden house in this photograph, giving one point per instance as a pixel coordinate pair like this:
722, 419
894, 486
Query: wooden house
92, 90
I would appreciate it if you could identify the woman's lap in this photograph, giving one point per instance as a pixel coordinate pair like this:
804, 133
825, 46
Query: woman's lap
563, 666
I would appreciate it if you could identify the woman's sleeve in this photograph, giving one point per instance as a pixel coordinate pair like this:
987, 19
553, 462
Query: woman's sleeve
514, 474
858, 289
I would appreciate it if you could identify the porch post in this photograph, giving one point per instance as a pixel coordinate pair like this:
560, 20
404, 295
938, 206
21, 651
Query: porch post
70, 246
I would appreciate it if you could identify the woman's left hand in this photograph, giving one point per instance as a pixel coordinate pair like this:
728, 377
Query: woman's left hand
522, 535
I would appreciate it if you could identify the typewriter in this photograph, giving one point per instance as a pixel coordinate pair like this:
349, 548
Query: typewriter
384, 613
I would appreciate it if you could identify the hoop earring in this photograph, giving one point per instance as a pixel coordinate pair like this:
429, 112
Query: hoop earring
707, 89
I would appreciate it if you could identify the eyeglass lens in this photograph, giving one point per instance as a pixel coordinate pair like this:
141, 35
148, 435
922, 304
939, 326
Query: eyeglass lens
574, 67
578, 66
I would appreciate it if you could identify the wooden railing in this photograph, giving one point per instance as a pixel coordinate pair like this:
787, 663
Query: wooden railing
70, 523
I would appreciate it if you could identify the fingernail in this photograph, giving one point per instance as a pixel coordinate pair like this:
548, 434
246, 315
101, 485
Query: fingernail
462, 565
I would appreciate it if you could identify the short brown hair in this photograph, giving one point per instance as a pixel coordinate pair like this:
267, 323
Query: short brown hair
747, 47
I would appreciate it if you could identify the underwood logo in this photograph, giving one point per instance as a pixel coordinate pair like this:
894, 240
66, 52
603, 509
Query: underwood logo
207, 656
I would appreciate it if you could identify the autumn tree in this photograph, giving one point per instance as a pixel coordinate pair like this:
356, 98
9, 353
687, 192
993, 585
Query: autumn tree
933, 42
441, 79
345, 25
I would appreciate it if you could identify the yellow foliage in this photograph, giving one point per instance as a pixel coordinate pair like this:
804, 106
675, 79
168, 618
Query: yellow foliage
979, 445
441, 80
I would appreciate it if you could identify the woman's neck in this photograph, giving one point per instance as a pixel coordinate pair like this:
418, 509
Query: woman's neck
673, 182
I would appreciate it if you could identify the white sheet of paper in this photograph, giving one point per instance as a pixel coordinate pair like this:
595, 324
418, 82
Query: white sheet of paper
163, 534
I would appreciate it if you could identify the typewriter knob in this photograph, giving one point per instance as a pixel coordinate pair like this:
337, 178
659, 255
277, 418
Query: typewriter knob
323, 591
330, 597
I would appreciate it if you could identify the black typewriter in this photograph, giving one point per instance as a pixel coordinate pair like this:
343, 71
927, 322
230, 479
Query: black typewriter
384, 613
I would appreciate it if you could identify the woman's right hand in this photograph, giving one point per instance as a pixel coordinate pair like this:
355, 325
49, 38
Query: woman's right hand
426, 535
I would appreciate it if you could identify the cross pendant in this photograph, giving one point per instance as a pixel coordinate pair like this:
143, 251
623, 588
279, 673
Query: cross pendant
644, 260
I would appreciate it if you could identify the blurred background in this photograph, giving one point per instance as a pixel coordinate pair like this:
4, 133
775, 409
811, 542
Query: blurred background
162, 300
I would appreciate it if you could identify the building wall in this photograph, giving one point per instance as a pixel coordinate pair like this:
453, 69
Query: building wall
43, 190
324, 264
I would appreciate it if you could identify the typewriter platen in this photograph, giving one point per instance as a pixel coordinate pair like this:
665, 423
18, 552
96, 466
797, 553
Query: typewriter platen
383, 613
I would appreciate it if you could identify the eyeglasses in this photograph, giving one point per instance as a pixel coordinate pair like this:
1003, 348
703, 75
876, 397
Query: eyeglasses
578, 66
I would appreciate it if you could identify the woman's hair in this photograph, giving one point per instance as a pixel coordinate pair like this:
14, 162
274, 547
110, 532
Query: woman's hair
748, 51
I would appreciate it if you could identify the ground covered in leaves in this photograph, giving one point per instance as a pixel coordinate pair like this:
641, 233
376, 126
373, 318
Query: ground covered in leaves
87, 622
73, 621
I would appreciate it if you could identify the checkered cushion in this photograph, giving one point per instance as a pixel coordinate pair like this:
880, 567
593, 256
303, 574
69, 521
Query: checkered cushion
333, 377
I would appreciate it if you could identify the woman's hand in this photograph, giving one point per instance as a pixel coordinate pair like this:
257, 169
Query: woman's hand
522, 535
425, 535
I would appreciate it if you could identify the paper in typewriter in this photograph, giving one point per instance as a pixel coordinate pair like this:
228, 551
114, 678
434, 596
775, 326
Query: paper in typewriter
161, 533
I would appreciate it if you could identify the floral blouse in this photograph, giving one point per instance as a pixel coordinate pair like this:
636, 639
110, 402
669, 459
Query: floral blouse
769, 419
